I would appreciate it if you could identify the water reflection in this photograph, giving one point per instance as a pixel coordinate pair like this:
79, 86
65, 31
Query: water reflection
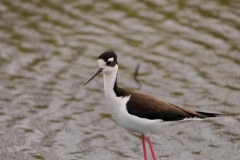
188, 53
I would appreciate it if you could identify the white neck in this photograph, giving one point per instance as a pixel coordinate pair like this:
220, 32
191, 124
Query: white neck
109, 82
115, 103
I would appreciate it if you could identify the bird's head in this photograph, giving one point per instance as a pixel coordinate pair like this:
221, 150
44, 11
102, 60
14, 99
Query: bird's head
107, 62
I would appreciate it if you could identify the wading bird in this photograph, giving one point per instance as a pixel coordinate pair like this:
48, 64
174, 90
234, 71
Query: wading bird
139, 112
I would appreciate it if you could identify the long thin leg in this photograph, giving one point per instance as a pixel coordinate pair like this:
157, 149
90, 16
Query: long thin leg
144, 147
151, 148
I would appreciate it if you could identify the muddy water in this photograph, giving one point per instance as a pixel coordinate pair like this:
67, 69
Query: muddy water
189, 55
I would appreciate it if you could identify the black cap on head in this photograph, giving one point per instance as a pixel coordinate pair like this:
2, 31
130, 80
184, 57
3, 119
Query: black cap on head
108, 54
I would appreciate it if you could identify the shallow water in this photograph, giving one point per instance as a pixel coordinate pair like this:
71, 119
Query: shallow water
188, 52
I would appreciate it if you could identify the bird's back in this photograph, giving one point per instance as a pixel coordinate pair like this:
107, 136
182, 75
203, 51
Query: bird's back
149, 107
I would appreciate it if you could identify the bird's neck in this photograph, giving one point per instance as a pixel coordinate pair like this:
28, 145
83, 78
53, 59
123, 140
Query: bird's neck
110, 82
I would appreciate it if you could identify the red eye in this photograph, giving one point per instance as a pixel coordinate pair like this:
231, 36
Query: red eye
109, 63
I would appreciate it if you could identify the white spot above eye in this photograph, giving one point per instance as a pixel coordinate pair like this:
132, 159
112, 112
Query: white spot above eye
110, 59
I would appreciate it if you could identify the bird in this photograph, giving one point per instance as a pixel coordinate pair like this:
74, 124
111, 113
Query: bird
138, 112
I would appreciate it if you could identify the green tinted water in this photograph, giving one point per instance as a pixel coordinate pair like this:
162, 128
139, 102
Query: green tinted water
188, 53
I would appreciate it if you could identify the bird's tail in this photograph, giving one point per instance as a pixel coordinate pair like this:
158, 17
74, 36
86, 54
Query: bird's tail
208, 115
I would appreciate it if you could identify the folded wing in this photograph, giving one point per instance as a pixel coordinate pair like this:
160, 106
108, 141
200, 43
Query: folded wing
149, 107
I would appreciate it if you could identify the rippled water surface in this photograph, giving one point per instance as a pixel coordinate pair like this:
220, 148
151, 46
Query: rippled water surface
189, 55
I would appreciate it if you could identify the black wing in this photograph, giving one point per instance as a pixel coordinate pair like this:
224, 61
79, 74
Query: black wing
145, 106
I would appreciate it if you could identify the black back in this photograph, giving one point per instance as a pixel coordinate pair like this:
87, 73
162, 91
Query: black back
146, 106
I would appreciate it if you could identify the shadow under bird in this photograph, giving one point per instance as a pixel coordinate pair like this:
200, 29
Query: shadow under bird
139, 112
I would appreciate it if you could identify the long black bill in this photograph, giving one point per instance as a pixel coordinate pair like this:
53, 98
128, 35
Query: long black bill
99, 71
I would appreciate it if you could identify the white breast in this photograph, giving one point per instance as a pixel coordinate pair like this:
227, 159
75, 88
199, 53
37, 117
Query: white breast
119, 112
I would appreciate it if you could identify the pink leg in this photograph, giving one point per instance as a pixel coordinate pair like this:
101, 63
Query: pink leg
144, 147
151, 148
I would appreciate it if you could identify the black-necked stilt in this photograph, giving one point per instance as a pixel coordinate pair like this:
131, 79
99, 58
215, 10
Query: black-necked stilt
140, 112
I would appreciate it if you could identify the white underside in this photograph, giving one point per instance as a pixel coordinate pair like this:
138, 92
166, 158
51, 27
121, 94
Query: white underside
133, 123
119, 112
